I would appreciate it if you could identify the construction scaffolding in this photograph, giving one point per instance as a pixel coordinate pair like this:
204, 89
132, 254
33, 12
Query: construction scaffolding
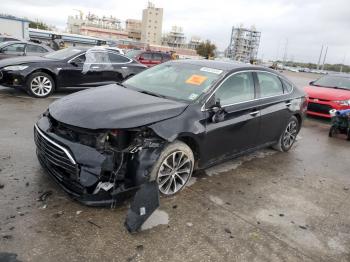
244, 44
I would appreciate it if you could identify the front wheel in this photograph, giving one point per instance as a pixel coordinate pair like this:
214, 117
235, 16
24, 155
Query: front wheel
288, 135
40, 85
173, 168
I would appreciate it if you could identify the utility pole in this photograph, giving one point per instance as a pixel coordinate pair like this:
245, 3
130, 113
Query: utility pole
319, 59
285, 52
343, 62
324, 58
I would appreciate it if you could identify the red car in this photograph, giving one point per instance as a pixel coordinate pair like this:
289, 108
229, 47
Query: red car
149, 58
327, 93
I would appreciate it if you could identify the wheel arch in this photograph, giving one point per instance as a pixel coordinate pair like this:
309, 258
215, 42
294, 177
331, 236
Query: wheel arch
46, 71
299, 118
193, 144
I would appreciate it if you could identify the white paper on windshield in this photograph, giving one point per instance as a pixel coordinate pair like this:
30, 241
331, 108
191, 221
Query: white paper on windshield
211, 70
193, 96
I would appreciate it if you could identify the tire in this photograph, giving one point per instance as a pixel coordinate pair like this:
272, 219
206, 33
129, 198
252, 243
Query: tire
40, 85
332, 131
288, 135
166, 171
348, 137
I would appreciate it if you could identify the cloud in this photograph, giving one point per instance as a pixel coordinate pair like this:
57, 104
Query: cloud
306, 24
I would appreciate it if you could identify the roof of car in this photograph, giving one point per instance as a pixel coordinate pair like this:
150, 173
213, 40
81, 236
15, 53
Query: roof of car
25, 42
222, 65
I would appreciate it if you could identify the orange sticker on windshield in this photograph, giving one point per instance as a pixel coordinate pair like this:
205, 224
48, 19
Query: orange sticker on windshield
196, 80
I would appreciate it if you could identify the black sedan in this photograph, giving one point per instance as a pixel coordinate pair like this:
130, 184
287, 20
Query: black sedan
71, 67
162, 124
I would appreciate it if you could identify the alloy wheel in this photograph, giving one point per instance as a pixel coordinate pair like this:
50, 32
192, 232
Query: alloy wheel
41, 85
174, 173
290, 134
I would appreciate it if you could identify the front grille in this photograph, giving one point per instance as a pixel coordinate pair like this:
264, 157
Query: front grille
57, 156
319, 108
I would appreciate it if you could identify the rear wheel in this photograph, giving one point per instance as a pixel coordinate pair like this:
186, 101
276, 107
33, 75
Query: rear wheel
40, 85
174, 168
288, 135
332, 131
348, 138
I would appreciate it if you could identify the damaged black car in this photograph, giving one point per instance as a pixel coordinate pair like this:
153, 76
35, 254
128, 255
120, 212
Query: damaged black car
103, 144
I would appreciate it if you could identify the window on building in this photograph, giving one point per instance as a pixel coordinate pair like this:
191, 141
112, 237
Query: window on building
270, 85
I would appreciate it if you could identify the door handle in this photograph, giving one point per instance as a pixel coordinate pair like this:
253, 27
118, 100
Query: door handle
124, 67
254, 113
288, 103
95, 67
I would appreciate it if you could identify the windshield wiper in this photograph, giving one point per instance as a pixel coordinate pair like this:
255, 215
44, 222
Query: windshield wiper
152, 94
121, 84
338, 87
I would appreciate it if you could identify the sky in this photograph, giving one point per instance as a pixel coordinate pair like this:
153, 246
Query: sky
300, 27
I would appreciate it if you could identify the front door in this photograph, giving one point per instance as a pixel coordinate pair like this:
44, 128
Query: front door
238, 127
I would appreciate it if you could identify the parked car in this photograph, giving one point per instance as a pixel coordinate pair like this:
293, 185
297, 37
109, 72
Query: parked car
149, 58
71, 67
8, 38
327, 93
20, 48
160, 125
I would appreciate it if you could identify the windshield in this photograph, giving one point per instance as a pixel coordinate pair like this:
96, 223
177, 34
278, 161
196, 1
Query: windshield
333, 81
179, 81
63, 53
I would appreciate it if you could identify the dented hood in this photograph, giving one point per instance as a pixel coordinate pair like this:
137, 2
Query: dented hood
113, 106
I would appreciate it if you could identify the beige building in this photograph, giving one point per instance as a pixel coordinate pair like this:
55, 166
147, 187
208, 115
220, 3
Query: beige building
92, 25
133, 27
152, 20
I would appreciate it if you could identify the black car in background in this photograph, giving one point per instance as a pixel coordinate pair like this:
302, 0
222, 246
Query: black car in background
70, 67
162, 124
21, 48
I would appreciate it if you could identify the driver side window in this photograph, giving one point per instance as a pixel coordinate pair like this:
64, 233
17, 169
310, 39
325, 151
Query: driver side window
236, 88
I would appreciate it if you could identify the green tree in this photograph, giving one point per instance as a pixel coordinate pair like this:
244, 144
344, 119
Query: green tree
39, 25
206, 49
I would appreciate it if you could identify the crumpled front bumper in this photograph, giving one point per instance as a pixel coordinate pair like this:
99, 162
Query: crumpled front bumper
76, 168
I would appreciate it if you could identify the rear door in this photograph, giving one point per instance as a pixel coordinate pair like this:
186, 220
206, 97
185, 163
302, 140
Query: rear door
120, 67
274, 103
34, 50
238, 129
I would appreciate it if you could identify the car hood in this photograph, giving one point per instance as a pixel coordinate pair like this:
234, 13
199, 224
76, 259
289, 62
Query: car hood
113, 106
326, 93
22, 60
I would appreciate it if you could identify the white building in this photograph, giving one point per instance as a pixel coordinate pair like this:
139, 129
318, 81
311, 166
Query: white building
14, 26
152, 20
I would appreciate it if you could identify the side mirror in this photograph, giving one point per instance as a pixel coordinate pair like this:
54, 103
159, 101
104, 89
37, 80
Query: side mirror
218, 112
141, 58
74, 63
311, 83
